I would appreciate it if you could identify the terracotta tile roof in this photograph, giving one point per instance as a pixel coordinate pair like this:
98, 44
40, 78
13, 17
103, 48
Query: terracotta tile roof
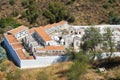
47, 26
43, 34
55, 24
62, 22
17, 46
40, 48
18, 29
11, 38
48, 48
32, 30
54, 48
20, 54
30, 57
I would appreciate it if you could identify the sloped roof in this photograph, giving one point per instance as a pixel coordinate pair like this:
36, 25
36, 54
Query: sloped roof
18, 29
43, 34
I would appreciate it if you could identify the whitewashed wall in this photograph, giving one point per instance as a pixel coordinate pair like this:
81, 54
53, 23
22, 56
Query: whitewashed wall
42, 61
12, 52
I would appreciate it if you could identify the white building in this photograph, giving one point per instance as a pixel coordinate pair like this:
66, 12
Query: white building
43, 46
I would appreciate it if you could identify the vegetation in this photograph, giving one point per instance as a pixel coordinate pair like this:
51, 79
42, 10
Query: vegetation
6, 22
82, 12
42, 76
79, 66
32, 13
14, 75
57, 12
113, 18
12, 2
92, 39
108, 40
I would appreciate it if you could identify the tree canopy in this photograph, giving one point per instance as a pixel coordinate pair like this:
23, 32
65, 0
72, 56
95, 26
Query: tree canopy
57, 11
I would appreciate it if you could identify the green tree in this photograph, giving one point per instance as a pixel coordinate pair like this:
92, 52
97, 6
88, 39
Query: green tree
79, 66
109, 41
56, 12
91, 40
5, 22
32, 13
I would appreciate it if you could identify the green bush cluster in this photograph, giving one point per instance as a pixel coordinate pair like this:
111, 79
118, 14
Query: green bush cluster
5, 22
56, 12
79, 66
32, 13
113, 18
12, 2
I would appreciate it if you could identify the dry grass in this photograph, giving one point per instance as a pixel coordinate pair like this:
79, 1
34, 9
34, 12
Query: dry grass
58, 72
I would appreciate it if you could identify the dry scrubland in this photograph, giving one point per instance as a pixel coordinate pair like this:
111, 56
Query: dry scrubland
54, 72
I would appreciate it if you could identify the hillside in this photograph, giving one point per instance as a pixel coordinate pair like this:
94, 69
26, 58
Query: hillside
85, 11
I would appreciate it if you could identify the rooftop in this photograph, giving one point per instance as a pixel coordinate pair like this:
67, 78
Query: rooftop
19, 29
43, 34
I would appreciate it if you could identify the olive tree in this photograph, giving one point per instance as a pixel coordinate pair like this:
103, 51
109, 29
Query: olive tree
110, 44
91, 40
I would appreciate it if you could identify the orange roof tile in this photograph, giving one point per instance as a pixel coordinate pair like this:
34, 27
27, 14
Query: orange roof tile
54, 48
47, 26
51, 48
40, 48
62, 22
55, 24
30, 57
20, 54
43, 34
11, 38
32, 30
17, 45
18, 29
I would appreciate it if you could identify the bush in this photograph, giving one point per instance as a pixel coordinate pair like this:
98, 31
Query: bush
79, 67
57, 12
72, 19
14, 13
24, 3
12, 2
3, 67
32, 13
111, 1
106, 5
113, 18
5, 22
70, 1
1, 31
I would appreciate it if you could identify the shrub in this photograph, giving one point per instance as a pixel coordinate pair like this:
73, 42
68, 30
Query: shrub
72, 19
70, 1
56, 12
12, 2
106, 5
14, 13
24, 3
3, 67
5, 22
111, 1
113, 18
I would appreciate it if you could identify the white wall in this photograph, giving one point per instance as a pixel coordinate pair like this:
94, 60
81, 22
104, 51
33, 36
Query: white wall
12, 52
42, 61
